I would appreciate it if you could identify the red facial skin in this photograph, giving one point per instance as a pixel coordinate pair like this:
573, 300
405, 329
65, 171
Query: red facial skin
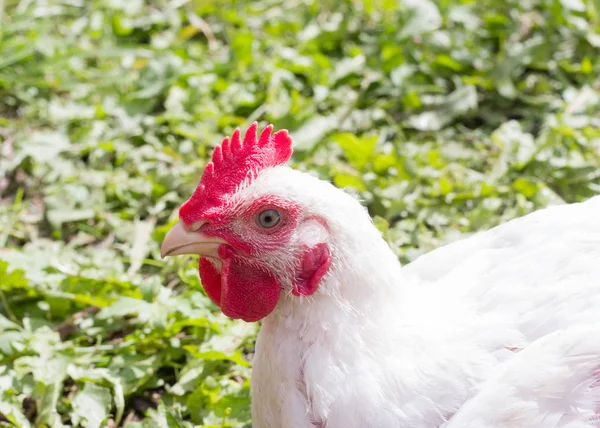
247, 287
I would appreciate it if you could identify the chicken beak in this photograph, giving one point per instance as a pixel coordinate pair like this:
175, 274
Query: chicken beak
179, 240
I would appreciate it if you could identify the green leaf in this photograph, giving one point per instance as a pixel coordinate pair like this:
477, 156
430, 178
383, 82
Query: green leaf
101, 376
92, 405
6, 324
457, 104
13, 280
358, 151
526, 187
10, 408
234, 357
424, 17
43, 146
48, 396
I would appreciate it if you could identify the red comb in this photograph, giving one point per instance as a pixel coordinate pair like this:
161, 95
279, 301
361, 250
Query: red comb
233, 165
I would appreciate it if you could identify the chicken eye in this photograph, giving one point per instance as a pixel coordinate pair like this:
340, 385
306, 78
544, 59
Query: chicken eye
268, 218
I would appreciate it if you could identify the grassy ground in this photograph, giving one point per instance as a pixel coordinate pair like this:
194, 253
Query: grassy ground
445, 117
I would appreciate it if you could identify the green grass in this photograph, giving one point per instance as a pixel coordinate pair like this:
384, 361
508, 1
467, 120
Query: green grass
445, 117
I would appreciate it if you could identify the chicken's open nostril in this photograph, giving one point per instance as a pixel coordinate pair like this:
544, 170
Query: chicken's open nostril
196, 226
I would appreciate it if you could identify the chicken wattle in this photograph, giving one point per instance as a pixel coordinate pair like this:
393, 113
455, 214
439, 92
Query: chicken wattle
350, 339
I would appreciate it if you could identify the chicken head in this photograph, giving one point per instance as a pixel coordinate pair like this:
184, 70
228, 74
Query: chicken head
253, 243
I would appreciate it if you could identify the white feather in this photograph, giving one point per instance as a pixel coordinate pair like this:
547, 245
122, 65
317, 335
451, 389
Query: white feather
381, 346
553, 383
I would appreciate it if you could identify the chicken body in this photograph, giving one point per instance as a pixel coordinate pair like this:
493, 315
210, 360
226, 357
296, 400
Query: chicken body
551, 383
384, 346
350, 339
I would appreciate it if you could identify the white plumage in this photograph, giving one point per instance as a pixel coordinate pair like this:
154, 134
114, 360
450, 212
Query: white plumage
552, 383
498, 330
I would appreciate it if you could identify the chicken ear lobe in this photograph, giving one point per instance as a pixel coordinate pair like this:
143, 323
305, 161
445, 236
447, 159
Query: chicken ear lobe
315, 262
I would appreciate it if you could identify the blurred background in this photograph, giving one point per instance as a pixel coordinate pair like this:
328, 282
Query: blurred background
444, 117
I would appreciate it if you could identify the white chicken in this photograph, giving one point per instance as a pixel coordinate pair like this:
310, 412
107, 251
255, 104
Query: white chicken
350, 339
